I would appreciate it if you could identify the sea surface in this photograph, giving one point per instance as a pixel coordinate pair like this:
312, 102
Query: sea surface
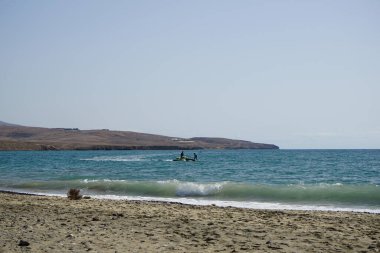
336, 180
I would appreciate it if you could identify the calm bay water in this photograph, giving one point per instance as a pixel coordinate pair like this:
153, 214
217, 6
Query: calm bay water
280, 179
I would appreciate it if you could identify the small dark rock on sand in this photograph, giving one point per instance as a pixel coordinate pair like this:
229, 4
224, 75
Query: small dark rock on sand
23, 243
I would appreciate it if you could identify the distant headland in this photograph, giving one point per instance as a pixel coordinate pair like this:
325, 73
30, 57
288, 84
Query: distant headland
16, 137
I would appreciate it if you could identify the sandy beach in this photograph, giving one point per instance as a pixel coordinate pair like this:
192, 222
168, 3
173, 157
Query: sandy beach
56, 224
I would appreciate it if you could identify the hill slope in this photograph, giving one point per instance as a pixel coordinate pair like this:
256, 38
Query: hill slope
15, 137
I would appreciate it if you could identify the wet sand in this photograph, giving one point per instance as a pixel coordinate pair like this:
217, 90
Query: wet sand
55, 224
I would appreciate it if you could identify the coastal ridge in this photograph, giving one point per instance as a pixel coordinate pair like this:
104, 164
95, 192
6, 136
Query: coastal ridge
16, 137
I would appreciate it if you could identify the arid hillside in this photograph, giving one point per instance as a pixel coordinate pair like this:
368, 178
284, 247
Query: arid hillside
14, 137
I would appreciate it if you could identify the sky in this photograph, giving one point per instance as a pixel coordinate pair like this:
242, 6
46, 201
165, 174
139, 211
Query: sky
295, 73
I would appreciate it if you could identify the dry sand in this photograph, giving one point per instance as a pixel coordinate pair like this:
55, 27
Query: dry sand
54, 224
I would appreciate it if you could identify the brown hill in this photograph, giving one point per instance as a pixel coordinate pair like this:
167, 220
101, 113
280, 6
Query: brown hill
15, 137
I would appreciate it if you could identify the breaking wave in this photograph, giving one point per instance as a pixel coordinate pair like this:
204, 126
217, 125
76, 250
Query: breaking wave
357, 195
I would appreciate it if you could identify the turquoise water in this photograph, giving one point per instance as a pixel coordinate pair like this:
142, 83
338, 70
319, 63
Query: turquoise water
280, 179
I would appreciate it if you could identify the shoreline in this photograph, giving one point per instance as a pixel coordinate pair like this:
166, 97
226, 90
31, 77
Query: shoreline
212, 202
56, 224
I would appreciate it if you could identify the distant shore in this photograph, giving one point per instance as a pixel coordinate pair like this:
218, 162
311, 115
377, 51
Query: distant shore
56, 224
14, 137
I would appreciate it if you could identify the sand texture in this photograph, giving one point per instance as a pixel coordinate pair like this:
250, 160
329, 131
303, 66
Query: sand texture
53, 224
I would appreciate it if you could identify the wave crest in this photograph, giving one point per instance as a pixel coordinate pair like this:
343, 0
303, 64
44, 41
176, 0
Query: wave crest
321, 193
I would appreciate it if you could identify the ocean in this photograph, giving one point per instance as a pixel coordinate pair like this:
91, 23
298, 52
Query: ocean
334, 180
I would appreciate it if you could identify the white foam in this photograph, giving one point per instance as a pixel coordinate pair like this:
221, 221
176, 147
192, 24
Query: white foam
193, 189
170, 181
184, 189
86, 181
115, 159
240, 204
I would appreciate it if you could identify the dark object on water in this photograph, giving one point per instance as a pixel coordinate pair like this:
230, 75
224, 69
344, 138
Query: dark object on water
23, 243
184, 158
74, 194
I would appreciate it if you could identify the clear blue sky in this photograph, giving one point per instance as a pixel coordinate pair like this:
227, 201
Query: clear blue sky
299, 74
